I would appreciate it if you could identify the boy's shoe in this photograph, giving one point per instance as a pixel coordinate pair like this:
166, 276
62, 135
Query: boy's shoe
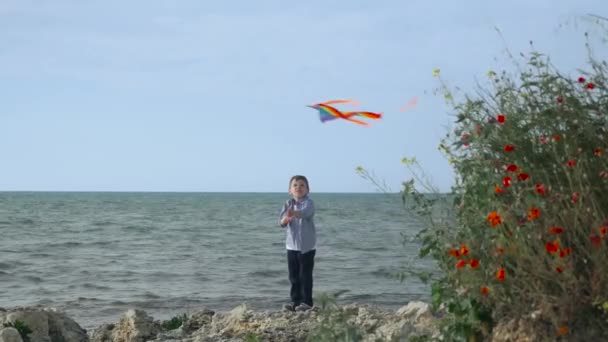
289, 307
303, 307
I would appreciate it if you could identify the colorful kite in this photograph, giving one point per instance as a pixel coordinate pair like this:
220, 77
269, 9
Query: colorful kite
327, 112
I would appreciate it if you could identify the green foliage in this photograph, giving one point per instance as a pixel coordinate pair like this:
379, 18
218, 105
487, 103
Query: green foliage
251, 337
174, 322
528, 227
334, 322
21, 327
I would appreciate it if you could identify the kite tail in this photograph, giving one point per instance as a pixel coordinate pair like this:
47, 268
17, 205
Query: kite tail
357, 121
370, 115
410, 104
354, 102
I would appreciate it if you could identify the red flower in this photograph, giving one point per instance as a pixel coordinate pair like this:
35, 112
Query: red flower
522, 176
464, 250
559, 269
540, 188
506, 182
494, 219
454, 253
498, 189
500, 275
511, 168
598, 152
533, 213
571, 163
581, 80
603, 230
556, 137
564, 252
559, 99
543, 139
590, 86
474, 263
509, 148
552, 247
484, 290
556, 230
574, 197
461, 263
500, 250
501, 118
464, 137
595, 240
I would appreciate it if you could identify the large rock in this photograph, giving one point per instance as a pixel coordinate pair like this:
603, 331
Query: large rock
10, 334
46, 324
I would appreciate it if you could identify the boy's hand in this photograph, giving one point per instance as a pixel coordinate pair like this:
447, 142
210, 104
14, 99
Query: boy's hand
285, 220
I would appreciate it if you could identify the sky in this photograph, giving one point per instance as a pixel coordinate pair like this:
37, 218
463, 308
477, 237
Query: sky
207, 96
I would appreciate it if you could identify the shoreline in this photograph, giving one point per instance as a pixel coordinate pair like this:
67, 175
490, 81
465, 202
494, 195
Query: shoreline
90, 313
134, 325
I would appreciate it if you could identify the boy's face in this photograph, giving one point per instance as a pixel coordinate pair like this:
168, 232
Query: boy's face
298, 189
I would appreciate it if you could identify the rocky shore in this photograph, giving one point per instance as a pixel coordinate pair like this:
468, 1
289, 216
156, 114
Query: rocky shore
240, 324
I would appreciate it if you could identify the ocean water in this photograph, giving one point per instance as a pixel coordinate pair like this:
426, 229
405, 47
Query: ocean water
95, 255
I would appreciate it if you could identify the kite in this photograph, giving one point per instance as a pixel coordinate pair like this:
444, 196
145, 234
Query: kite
327, 112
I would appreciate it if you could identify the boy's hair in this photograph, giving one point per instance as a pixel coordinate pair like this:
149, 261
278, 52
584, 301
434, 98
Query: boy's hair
297, 178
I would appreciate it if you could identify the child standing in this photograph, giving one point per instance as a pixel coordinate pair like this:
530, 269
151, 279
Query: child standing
297, 217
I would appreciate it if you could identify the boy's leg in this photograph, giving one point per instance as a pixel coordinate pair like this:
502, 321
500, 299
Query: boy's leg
307, 266
293, 264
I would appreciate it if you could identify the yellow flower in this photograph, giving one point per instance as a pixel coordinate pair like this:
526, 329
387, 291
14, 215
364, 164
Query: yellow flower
436, 72
491, 74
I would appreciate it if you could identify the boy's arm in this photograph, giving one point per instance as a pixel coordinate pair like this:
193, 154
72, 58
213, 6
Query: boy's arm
283, 212
307, 212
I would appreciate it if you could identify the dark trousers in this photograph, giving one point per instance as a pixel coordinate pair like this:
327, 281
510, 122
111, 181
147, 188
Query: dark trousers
300, 275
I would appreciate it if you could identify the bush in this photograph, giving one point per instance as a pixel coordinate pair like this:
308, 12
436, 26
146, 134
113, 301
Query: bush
530, 200
175, 322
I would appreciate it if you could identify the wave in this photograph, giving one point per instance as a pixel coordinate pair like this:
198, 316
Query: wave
33, 279
266, 274
103, 223
137, 229
6, 266
90, 286
385, 273
64, 244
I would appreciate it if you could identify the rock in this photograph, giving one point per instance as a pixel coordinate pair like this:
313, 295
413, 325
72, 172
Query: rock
10, 335
516, 330
197, 320
102, 334
135, 326
241, 323
46, 324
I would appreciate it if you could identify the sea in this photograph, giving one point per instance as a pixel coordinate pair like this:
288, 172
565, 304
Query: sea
95, 255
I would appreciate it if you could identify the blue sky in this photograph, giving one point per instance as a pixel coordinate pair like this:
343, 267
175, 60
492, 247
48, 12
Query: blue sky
210, 95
